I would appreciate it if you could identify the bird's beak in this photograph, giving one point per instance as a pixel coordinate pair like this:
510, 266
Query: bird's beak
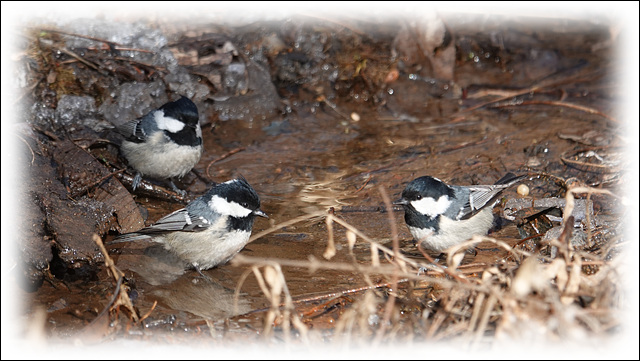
260, 213
401, 202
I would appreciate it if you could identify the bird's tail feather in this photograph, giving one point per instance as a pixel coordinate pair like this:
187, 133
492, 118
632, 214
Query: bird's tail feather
130, 237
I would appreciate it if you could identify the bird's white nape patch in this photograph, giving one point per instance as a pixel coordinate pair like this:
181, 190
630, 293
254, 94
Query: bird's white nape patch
168, 123
222, 206
430, 207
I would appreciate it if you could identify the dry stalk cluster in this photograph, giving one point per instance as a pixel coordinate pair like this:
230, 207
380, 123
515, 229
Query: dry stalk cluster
524, 296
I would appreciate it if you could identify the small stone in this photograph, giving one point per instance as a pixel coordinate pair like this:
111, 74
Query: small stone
523, 190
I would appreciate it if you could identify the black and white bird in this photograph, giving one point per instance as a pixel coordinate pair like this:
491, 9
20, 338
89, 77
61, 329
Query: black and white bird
211, 229
440, 216
164, 144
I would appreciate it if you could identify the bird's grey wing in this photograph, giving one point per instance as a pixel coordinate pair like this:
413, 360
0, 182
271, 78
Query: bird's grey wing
138, 130
176, 221
132, 131
476, 197
479, 196
482, 195
179, 220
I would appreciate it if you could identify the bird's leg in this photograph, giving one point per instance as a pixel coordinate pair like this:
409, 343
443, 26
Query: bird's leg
207, 278
176, 189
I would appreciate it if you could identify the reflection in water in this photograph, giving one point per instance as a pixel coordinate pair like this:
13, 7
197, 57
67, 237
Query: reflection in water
322, 195
153, 264
202, 297
174, 285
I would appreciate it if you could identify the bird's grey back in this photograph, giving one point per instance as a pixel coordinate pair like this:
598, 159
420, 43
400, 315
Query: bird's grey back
201, 207
462, 194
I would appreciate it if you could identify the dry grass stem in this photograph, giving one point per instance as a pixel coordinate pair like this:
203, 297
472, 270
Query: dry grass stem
273, 285
123, 297
286, 224
397, 261
331, 247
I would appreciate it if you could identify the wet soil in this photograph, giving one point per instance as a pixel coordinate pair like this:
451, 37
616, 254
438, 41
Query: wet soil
532, 102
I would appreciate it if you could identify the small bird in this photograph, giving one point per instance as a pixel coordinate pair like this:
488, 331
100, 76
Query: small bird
163, 144
440, 216
211, 229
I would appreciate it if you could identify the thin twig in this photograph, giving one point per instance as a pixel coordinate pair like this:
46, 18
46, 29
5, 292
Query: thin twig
330, 251
388, 308
286, 224
477, 307
522, 241
485, 318
226, 155
559, 104
33, 156
103, 179
313, 264
546, 83
444, 269
117, 275
109, 43
323, 99
365, 184
79, 58
331, 295
153, 307
113, 299
236, 293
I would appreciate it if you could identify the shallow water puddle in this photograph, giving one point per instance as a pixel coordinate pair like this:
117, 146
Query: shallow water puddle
339, 156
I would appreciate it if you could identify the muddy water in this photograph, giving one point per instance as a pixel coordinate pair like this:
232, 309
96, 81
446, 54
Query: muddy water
324, 161
316, 162
319, 157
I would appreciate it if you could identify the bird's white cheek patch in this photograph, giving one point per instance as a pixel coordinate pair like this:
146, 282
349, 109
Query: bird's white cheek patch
431, 207
168, 123
223, 206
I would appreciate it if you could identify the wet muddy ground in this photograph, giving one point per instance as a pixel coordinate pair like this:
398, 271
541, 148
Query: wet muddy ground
352, 112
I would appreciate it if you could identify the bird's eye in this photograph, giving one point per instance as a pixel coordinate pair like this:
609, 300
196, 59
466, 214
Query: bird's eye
244, 204
419, 197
